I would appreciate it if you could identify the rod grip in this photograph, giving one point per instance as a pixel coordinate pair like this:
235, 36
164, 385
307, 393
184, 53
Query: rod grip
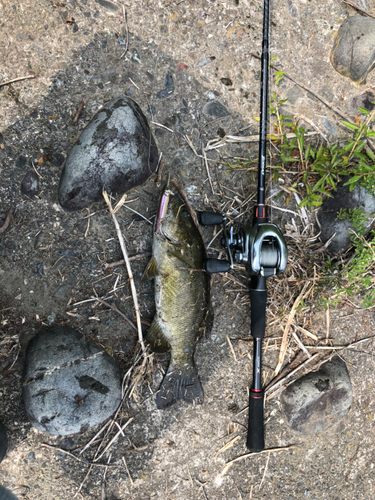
255, 431
258, 301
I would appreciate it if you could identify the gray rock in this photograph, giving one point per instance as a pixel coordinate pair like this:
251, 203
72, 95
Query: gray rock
116, 150
215, 110
353, 52
343, 198
30, 184
318, 400
69, 384
6, 494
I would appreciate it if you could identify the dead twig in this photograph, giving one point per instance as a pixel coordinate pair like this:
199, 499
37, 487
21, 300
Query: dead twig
79, 111
288, 324
227, 445
86, 462
231, 348
159, 171
128, 266
265, 471
114, 308
7, 222
357, 7
16, 80
113, 439
126, 32
127, 470
220, 142
83, 482
207, 169
121, 262
243, 457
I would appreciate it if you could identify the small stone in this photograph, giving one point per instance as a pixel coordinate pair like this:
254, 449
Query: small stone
21, 161
342, 198
182, 67
204, 61
31, 456
116, 150
107, 5
319, 399
353, 52
51, 318
135, 57
169, 87
70, 384
328, 125
57, 159
226, 81
165, 93
294, 94
215, 110
30, 184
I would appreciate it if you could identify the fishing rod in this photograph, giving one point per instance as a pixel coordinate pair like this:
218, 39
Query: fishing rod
262, 249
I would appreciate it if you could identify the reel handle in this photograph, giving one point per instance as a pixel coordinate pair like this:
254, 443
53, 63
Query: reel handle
210, 218
213, 266
255, 431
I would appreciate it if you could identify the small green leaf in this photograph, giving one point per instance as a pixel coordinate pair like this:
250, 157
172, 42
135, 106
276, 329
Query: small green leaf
364, 110
350, 125
370, 154
353, 180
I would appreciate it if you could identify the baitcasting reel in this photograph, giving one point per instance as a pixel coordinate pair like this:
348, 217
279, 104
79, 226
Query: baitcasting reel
261, 248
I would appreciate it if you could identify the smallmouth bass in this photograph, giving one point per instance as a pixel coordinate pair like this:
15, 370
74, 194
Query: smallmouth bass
182, 298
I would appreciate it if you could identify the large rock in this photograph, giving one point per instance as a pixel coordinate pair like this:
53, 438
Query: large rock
353, 52
318, 400
69, 384
342, 198
116, 151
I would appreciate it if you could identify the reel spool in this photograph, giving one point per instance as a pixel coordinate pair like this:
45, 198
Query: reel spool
261, 248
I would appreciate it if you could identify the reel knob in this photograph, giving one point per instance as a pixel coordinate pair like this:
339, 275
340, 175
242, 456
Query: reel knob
213, 266
210, 218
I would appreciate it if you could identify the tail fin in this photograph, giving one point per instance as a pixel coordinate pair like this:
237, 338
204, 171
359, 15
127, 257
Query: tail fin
179, 384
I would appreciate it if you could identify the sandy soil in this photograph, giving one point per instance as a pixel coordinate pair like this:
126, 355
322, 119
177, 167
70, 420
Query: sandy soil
49, 260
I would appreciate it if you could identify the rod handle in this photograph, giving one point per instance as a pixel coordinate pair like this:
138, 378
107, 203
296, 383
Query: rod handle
255, 431
210, 218
258, 301
216, 266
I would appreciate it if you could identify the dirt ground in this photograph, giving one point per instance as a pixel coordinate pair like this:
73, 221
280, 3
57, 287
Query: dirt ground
50, 260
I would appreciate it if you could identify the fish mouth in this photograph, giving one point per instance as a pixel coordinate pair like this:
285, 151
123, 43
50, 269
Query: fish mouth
169, 238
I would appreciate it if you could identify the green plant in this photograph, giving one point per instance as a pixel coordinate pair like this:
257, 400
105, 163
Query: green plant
353, 276
356, 217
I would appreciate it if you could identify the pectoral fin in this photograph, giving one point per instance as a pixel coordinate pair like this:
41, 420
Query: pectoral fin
156, 338
151, 270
